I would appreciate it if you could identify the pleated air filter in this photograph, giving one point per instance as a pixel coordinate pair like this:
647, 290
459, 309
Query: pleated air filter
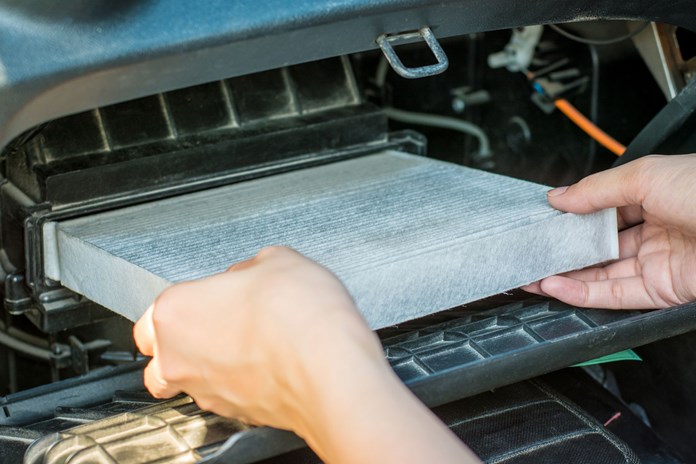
408, 236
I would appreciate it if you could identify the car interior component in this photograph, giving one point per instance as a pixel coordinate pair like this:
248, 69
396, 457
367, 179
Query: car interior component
161, 146
573, 388
501, 427
81, 50
172, 432
518, 53
462, 357
669, 131
604, 139
551, 84
589, 41
402, 232
661, 386
660, 48
108, 105
385, 42
92, 388
484, 148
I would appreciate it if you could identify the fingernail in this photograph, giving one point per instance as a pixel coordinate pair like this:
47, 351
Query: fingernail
557, 191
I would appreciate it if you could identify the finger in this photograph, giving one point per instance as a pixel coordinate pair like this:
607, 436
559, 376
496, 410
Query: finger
240, 266
630, 241
629, 216
276, 252
534, 287
214, 403
155, 383
613, 188
144, 333
628, 267
626, 293
262, 254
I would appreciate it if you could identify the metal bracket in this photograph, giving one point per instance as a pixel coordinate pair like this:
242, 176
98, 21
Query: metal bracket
385, 43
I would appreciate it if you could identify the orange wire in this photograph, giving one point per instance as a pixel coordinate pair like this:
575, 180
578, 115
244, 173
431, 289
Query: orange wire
586, 125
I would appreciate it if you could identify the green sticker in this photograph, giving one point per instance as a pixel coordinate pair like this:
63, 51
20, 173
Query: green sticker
626, 355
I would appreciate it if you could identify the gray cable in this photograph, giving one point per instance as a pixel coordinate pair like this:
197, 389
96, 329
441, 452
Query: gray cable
381, 73
24, 347
594, 105
431, 120
444, 122
14, 332
586, 41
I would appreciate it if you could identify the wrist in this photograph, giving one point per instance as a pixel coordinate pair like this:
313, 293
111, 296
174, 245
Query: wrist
348, 396
373, 417
335, 368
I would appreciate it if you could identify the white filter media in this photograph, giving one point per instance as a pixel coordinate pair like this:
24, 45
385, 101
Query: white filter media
407, 235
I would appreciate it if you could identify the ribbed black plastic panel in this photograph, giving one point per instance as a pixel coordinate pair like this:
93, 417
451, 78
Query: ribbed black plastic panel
482, 350
473, 353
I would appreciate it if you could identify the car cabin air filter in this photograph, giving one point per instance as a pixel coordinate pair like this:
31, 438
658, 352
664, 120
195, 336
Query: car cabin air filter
407, 235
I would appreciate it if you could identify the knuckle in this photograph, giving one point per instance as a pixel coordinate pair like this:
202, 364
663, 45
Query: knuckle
269, 251
583, 189
154, 387
156, 392
649, 161
204, 402
173, 369
149, 384
170, 373
586, 182
232, 267
160, 315
642, 173
166, 305
162, 303
642, 169
585, 295
600, 274
272, 251
617, 291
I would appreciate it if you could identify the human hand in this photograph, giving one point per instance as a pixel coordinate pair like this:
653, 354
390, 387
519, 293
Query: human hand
655, 197
277, 341
249, 342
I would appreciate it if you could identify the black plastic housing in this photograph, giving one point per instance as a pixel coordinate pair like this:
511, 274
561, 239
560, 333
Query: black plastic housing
94, 53
167, 145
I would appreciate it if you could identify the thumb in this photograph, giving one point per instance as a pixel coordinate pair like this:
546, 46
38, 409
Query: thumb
614, 188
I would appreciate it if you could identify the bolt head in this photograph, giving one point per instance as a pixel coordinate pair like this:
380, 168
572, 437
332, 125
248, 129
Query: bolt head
458, 105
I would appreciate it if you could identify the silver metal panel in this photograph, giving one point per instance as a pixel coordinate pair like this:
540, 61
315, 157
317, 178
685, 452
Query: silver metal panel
407, 235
